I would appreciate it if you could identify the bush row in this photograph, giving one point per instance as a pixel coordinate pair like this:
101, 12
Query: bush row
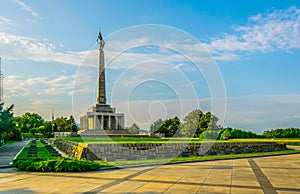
55, 165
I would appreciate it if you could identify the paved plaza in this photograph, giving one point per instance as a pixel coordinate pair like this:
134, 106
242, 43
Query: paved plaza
9, 152
276, 174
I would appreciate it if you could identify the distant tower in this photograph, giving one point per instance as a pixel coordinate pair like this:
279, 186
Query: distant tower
52, 115
101, 93
1, 84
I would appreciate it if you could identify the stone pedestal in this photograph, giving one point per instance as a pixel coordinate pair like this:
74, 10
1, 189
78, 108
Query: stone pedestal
102, 117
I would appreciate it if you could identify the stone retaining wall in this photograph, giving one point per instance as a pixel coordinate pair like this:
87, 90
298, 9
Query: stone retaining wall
65, 146
133, 151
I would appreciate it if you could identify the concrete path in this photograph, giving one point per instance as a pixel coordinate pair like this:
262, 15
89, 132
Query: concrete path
9, 152
275, 174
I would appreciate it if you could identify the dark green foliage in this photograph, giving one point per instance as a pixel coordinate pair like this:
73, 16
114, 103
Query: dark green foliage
197, 122
156, 125
73, 124
169, 127
237, 133
134, 129
33, 123
210, 134
8, 130
282, 133
29, 121
55, 165
48, 134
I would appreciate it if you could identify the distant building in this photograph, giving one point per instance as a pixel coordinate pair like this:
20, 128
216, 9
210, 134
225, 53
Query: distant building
101, 116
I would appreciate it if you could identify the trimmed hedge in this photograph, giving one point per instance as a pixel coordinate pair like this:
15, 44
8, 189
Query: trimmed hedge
56, 165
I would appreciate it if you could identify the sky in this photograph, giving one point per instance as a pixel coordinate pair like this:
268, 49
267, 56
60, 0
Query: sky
239, 60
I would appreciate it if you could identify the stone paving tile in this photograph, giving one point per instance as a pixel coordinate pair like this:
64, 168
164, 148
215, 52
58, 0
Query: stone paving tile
192, 180
124, 187
177, 188
217, 181
245, 191
229, 176
243, 183
152, 188
213, 189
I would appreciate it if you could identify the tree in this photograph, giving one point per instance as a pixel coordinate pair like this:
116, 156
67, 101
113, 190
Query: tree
73, 124
282, 133
156, 125
237, 133
169, 127
61, 124
196, 122
29, 121
134, 129
191, 123
8, 128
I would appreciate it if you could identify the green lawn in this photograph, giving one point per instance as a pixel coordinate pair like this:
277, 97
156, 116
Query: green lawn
41, 151
29, 135
93, 140
200, 158
44, 162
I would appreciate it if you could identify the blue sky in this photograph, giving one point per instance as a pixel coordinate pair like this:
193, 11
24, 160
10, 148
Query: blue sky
49, 58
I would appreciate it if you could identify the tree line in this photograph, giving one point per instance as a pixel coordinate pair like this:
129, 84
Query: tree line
205, 126
11, 127
282, 133
35, 124
195, 124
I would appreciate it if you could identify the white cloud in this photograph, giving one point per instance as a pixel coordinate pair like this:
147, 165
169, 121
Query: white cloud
275, 30
26, 7
4, 20
27, 48
17, 86
5, 23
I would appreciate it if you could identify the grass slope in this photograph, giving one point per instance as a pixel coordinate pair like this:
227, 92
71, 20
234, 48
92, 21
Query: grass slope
95, 140
200, 158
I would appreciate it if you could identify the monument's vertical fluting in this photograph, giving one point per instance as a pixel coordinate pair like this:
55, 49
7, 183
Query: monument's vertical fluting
101, 116
101, 93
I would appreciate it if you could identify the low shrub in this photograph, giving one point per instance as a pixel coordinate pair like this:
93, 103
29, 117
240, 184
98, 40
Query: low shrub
55, 165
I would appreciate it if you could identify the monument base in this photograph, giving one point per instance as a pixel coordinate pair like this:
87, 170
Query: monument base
102, 117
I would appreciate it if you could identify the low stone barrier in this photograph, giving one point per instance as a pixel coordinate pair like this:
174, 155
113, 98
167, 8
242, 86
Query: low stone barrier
66, 146
137, 151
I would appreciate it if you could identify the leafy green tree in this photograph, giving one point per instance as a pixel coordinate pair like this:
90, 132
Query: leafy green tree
210, 134
169, 127
28, 121
61, 124
156, 125
197, 122
74, 127
33, 131
8, 128
134, 129
191, 123
282, 133
237, 133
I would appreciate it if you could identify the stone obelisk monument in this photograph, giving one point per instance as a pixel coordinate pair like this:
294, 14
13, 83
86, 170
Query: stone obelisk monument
101, 93
101, 116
